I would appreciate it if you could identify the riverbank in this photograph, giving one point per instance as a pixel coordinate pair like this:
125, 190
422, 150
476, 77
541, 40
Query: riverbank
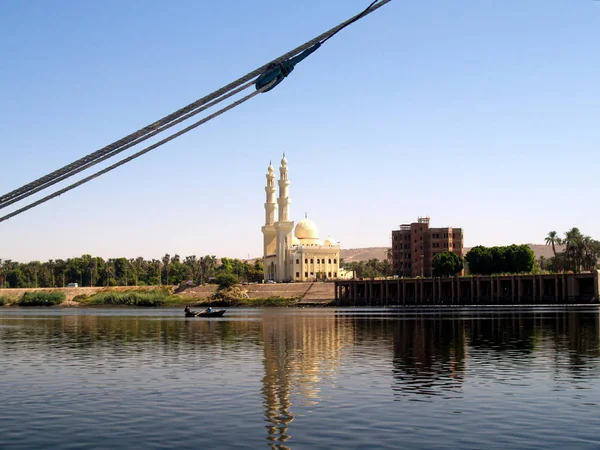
257, 295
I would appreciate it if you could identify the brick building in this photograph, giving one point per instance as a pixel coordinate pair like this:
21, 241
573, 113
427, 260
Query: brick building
414, 246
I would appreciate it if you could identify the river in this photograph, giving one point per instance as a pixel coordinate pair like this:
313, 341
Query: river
487, 378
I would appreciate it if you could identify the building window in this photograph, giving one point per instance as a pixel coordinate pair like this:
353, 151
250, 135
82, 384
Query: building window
329, 275
335, 261
297, 274
305, 260
335, 274
311, 260
329, 260
305, 274
297, 262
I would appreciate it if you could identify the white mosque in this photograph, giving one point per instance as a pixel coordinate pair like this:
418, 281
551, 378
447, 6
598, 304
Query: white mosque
301, 256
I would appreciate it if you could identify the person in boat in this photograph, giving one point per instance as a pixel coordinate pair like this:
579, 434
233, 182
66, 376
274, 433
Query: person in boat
209, 309
187, 309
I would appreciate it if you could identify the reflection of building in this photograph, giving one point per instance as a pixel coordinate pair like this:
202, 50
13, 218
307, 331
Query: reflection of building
415, 245
300, 353
429, 356
301, 256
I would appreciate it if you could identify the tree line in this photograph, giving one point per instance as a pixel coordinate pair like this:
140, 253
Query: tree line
580, 252
373, 268
501, 259
90, 270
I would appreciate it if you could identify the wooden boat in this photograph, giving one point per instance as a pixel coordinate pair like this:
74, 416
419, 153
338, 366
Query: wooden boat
205, 313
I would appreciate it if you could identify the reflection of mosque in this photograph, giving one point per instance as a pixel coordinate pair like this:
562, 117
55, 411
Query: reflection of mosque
301, 352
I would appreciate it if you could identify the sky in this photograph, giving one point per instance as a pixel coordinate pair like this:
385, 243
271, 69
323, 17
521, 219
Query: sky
482, 115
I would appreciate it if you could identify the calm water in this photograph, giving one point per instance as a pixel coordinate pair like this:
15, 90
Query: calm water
306, 378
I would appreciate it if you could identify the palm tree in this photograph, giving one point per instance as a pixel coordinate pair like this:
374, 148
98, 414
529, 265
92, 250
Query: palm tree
552, 239
165, 260
572, 240
543, 263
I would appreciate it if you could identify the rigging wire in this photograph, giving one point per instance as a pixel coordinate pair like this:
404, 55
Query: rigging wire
134, 156
290, 58
125, 147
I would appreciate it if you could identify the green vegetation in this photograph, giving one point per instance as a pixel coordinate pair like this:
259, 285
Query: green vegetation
372, 268
494, 260
447, 264
155, 297
226, 280
41, 298
88, 270
580, 252
3, 300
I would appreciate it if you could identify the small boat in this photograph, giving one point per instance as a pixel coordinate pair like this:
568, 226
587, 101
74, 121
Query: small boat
205, 313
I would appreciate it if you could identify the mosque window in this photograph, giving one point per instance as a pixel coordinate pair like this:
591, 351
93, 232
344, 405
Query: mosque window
305, 260
297, 274
330, 261
318, 261
297, 262
335, 261
335, 274
305, 274
311, 260
329, 275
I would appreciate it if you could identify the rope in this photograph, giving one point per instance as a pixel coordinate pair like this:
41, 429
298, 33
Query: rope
161, 125
165, 120
121, 149
134, 156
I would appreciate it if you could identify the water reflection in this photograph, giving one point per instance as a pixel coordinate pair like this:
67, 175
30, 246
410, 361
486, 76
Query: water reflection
301, 352
429, 356
287, 367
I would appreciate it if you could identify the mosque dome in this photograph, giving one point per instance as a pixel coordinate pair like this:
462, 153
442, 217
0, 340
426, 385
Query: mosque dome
330, 241
271, 168
306, 229
284, 161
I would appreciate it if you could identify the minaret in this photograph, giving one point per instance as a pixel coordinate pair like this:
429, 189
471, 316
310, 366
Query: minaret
284, 192
283, 226
268, 229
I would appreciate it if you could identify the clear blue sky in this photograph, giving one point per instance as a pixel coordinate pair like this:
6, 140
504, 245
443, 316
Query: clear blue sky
483, 115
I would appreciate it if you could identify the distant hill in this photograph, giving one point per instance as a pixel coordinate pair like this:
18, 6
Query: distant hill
364, 254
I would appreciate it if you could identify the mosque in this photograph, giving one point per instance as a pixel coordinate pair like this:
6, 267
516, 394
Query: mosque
297, 256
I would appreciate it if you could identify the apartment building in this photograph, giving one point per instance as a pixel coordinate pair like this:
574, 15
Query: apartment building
414, 246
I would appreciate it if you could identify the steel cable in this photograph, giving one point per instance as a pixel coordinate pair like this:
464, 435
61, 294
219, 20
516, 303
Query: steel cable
134, 156
159, 126
121, 149
20, 192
